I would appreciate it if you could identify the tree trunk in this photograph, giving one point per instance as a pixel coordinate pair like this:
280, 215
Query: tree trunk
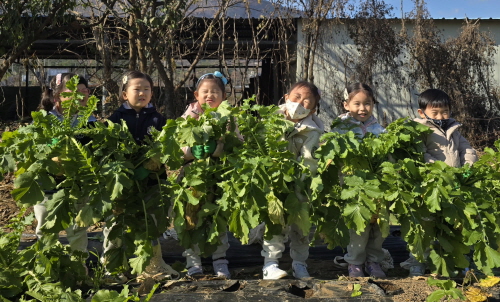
132, 63
105, 51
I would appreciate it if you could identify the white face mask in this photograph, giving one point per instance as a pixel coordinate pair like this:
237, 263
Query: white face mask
296, 111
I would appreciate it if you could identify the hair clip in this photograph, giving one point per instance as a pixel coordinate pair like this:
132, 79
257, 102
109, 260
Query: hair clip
58, 79
220, 76
124, 80
319, 92
346, 95
216, 74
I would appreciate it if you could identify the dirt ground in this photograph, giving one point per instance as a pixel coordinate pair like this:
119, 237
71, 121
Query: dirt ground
8, 207
397, 286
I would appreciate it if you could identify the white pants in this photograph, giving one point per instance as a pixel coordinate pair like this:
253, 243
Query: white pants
77, 236
193, 255
366, 246
109, 244
272, 250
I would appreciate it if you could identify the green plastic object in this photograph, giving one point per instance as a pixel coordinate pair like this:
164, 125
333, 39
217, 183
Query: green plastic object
53, 142
210, 147
141, 173
198, 151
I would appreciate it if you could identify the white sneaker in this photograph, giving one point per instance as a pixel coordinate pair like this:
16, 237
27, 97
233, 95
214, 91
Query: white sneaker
271, 271
195, 270
300, 270
417, 270
221, 269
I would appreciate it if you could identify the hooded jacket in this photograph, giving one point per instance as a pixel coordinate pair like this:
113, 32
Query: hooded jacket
358, 127
139, 123
193, 110
304, 139
448, 146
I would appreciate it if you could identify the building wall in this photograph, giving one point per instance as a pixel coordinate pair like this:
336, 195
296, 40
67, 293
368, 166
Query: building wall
396, 95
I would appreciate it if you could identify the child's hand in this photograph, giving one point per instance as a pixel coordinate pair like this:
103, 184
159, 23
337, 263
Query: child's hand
152, 164
202, 151
219, 150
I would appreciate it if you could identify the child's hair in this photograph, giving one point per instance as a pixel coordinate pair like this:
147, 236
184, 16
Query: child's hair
313, 88
134, 74
56, 86
434, 98
217, 76
354, 88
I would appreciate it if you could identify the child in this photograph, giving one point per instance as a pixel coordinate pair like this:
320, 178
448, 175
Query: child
359, 103
140, 116
365, 248
302, 101
210, 90
445, 143
52, 103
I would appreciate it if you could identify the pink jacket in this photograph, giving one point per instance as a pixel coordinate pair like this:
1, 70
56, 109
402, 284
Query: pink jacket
194, 110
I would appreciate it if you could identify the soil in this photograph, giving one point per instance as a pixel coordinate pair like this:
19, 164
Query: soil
397, 287
8, 207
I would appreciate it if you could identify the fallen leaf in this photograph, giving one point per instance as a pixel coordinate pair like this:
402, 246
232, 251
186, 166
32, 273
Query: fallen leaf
489, 281
475, 294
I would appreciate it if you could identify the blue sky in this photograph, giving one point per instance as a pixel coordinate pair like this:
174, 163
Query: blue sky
484, 9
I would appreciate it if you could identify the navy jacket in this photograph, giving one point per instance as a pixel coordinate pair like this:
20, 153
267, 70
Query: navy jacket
139, 123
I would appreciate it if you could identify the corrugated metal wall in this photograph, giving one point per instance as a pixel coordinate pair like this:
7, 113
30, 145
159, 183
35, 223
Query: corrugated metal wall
396, 95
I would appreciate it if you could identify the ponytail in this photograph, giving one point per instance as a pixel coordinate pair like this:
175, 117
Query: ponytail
47, 102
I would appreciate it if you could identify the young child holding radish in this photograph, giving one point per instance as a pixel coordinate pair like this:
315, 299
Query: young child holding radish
210, 90
51, 102
445, 143
136, 91
301, 105
364, 248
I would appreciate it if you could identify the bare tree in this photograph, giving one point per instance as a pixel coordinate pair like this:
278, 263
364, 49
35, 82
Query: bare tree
377, 43
460, 66
24, 22
314, 13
